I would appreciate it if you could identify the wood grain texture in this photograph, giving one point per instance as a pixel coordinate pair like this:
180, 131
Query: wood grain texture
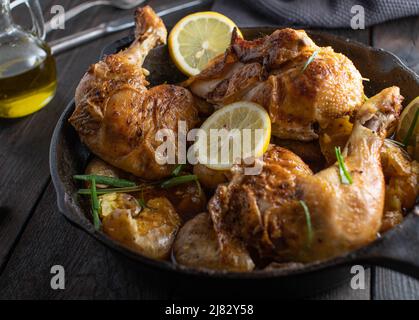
345, 291
24, 166
402, 38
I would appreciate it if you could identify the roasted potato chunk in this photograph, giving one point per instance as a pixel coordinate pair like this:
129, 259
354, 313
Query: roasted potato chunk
188, 199
401, 176
113, 201
196, 245
101, 168
210, 178
150, 232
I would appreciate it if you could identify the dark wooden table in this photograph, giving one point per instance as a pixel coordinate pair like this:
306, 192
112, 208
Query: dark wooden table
33, 234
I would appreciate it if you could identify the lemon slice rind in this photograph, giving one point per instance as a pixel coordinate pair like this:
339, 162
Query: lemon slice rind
406, 119
199, 41
235, 117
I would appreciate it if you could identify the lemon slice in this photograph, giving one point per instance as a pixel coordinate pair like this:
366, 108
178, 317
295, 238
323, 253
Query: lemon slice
198, 38
237, 131
408, 128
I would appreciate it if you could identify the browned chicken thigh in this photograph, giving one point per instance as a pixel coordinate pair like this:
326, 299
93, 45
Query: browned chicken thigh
241, 210
117, 116
266, 212
299, 84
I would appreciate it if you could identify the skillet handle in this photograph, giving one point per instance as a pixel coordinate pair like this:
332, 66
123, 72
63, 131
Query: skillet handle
399, 249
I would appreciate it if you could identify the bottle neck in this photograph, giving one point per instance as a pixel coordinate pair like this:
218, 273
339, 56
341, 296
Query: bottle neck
5, 17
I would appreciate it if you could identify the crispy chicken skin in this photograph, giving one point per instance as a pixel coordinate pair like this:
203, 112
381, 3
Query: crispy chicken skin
308, 151
264, 211
117, 116
273, 71
400, 171
242, 209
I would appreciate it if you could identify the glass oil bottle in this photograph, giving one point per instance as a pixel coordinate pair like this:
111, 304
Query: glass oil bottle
27, 68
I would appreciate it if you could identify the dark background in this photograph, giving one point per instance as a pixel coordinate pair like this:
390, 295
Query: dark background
33, 234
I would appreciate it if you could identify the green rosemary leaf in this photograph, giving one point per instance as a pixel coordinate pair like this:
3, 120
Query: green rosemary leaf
117, 190
178, 180
95, 204
115, 182
310, 60
345, 176
177, 170
142, 203
308, 222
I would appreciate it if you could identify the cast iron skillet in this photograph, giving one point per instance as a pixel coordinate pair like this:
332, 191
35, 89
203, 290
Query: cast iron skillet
397, 249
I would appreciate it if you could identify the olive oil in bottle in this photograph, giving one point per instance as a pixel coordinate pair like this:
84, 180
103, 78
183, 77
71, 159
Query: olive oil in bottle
27, 68
27, 84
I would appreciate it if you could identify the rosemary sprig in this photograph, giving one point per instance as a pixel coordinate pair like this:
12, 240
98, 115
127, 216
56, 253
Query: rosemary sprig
411, 128
310, 60
345, 176
177, 170
397, 143
95, 204
115, 182
142, 203
111, 190
308, 222
175, 181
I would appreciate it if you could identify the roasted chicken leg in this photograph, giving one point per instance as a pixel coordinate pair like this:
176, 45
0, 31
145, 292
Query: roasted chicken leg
117, 116
299, 84
265, 212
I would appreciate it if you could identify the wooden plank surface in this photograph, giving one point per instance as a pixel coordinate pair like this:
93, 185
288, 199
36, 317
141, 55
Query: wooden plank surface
402, 38
24, 167
93, 271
